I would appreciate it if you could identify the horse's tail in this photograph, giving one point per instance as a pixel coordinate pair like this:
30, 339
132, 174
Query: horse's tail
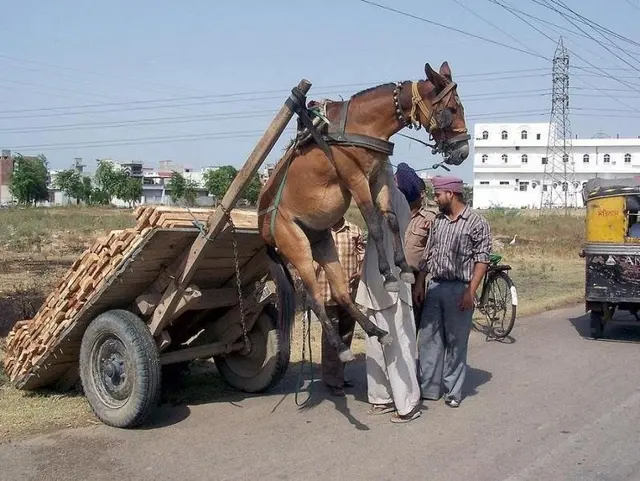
286, 304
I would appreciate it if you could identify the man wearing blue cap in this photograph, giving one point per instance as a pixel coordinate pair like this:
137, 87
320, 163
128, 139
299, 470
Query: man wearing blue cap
415, 238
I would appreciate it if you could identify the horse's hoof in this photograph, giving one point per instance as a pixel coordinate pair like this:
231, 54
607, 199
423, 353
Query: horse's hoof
391, 284
346, 356
408, 277
385, 339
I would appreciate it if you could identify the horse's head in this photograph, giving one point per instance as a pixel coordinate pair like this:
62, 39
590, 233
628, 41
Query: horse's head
436, 106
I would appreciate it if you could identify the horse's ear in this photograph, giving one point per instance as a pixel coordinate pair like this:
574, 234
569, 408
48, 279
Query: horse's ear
436, 79
445, 71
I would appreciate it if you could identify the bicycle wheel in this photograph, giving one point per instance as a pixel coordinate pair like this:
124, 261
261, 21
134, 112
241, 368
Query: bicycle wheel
500, 305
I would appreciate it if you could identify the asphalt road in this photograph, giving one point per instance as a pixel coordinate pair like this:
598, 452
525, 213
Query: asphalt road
553, 405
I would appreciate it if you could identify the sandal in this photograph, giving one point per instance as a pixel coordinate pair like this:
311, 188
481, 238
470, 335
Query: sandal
378, 409
414, 414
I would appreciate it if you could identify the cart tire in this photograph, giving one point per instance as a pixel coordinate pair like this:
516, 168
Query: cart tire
262, 368
123, 390
596, 324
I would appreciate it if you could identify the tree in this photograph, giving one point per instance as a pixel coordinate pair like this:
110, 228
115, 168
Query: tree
29, 179
86, 192
468, 195
71, 183
129, 189
176, 186
190, 192
217, 181
252, 191
107, 179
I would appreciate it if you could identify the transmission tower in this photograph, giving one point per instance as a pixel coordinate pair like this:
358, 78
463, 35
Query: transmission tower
559, 182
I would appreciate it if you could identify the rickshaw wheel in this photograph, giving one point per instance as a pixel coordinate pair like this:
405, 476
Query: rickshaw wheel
596, 324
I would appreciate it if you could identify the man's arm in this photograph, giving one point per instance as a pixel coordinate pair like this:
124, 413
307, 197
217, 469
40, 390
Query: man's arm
481, 241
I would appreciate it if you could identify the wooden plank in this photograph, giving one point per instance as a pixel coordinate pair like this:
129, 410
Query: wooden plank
217, 220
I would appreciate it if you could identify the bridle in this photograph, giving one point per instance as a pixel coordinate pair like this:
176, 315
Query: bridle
437, 119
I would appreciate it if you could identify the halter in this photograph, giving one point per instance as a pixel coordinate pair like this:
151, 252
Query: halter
418, 104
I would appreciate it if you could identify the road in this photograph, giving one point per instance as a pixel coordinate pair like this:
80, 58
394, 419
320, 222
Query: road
552, 405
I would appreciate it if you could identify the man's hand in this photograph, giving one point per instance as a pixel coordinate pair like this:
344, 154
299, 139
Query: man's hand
466, 301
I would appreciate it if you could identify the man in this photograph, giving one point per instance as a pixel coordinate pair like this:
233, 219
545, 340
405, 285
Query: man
415, 239
350, 242
456, 257
391, 370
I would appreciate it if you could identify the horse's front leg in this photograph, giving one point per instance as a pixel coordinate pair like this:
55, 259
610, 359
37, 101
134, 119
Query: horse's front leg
381, 191
361, 193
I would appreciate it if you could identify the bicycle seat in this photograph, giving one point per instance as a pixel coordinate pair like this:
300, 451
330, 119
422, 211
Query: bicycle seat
495, 258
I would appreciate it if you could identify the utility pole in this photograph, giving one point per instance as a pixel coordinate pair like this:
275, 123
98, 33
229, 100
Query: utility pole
558, 182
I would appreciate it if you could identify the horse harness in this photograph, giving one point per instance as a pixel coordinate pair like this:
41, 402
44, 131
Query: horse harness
325, 134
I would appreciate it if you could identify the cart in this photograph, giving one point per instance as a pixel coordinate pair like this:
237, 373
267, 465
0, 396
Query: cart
181, 286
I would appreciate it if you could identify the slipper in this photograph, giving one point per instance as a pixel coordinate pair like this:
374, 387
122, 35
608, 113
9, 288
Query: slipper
379, 409
415, 414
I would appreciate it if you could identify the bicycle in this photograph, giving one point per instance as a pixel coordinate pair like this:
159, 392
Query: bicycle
498, 305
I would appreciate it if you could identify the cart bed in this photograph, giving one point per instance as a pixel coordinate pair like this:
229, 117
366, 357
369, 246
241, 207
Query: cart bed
42, 350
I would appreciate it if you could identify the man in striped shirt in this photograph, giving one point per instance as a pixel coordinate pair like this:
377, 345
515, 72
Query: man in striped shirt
350, 244
456, 257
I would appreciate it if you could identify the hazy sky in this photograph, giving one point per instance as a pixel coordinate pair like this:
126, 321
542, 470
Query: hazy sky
153, 81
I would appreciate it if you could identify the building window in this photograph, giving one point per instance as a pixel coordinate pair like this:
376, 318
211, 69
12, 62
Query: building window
505, 136
504, 182
484, 182
545, 187
524, 186
523, 135
505, 158
627, 158
607, 158
485, 157
485, 135
565, 158
537, 136
585, 158
565, 186
545, 160
524, 158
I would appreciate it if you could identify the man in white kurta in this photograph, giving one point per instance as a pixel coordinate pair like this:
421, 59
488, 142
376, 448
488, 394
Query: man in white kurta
391, 370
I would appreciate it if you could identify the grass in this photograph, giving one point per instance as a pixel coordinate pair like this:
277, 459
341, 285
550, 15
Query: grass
38, 245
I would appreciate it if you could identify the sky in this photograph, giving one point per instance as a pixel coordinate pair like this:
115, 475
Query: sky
198, 82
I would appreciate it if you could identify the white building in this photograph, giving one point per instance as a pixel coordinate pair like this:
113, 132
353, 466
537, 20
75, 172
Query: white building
508, 163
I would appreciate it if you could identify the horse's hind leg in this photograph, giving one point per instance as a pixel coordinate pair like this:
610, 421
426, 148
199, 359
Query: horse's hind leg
326, 254
295, 247
361, 192
381, 191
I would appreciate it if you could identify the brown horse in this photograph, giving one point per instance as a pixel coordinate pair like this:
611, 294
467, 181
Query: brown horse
312, 185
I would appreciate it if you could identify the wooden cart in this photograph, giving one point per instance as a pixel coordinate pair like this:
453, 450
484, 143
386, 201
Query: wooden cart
182, 285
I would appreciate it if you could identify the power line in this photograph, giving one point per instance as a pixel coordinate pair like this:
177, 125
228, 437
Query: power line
454, 29
580, 57
512, 37
589, 35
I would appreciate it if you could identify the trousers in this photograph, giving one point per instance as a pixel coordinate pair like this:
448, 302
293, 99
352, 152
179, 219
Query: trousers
391, 370
332, 367
443, 340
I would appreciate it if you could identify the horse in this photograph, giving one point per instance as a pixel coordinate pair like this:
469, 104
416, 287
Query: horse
347, 157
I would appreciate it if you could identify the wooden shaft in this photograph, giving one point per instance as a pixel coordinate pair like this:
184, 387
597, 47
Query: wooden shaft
217, 220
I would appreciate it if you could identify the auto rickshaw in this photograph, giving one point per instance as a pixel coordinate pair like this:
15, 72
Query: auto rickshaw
611, 250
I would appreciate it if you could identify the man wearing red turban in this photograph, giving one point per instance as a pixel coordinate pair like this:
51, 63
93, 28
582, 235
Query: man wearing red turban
456, 257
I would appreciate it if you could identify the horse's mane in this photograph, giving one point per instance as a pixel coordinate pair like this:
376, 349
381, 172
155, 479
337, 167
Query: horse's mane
371, 89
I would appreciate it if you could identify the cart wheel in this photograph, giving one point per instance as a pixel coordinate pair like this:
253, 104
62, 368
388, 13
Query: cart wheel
596, 324
120, 368
261, 368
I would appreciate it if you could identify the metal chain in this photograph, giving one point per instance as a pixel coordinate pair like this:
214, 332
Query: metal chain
234, 241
